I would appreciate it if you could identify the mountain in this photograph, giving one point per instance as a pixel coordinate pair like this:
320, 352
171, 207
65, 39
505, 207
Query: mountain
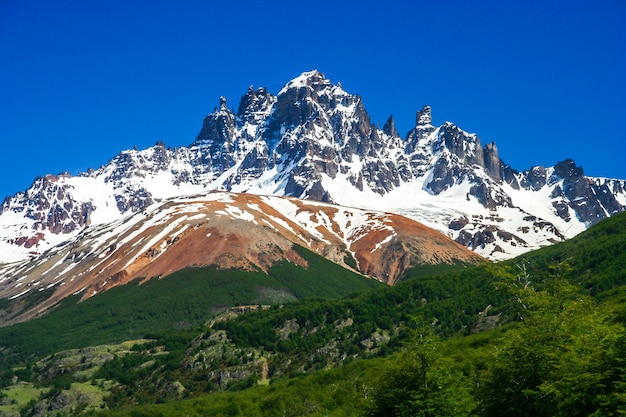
315, 141
226, 231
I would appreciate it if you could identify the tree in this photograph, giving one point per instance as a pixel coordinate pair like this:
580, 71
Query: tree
562, 360
422, 383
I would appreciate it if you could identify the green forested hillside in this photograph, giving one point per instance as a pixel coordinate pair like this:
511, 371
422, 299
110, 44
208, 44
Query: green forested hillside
181, 301
595, 259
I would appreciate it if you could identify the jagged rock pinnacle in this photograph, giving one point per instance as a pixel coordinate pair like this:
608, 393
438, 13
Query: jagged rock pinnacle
424, 116
390, 127
492, 161
223, 105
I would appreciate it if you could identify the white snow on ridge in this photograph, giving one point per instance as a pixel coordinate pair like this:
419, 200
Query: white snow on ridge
381, 243
298, 82
437, 211
165, 231
99, 193
238, 213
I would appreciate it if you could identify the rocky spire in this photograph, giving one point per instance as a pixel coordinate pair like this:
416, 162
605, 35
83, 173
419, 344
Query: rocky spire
254, 104
424, 117
492, 161
390, 127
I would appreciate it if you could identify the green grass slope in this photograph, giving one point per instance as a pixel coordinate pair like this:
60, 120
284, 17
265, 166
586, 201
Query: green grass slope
595, 259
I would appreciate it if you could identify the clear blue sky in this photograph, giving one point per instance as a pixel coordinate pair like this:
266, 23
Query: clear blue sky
81, 80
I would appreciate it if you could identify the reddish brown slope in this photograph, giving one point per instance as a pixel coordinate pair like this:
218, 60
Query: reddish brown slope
228, 230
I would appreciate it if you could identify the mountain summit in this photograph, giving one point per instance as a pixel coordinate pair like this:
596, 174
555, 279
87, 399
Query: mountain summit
313, 140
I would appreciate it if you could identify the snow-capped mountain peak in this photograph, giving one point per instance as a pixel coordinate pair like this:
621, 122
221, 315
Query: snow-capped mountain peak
313, 140
313, 79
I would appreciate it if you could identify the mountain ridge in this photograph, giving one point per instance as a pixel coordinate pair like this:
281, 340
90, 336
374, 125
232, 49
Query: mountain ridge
228, 231
316, 141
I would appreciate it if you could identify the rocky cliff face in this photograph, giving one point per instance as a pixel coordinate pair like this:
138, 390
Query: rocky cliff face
314, 140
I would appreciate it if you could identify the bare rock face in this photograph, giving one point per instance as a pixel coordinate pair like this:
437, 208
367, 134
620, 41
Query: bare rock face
535, 178
444, 176
467, 149
217, 137
54, 209
590, 201
390, 128
424, 116
63, 403
493, 165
